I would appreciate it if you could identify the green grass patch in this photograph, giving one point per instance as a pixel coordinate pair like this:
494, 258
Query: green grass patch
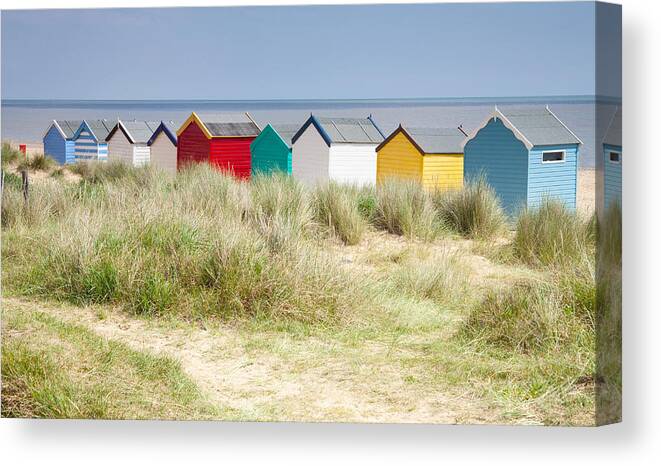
10, 155
342, 211
39, 162
53, 369
403, 207
552, 235
473, 211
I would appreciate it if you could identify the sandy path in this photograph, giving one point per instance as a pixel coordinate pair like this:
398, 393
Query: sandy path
281, 378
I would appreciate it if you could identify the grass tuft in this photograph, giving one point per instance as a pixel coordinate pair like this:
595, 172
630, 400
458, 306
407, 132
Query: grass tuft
473, 211
551, 234
10, 155
404, 208
64, 371
442, 278
338, 208
39, 162
530, 317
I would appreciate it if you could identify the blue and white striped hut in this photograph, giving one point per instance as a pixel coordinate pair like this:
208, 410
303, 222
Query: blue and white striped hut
525, 155
59, 140
91, 140
612, 146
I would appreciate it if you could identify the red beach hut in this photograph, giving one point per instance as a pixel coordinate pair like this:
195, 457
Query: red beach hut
221, 140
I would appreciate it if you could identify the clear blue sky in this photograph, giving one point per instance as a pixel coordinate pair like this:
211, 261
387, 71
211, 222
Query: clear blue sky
372, 51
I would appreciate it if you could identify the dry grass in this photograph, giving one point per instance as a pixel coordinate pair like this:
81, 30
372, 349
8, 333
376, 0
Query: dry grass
394, 323
551, 234
202, 242
473, 211
38, 162
404, 207
55, 369
337, 208
609, 316
10, 155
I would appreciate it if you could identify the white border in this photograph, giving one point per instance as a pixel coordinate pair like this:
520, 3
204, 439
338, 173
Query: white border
563, 160
508, 124
618, 152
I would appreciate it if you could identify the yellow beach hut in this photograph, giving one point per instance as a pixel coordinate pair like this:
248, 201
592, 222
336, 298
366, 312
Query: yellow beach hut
432, 156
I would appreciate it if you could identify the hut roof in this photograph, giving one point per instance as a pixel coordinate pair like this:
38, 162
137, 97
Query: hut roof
285, 131
614, 132
432, 140
167, 128
344, 130
99, 128
136, 131
532, 126
223, 124
67, 128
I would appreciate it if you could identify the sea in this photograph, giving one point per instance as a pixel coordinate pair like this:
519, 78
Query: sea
25, 121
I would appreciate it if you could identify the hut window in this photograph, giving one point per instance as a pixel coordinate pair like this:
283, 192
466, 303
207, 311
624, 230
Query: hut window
614, 157
553, 156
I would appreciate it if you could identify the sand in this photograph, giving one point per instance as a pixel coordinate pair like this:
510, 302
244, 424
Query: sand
586, 195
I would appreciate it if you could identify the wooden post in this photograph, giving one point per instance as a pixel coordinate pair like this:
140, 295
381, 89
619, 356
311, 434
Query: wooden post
26, 185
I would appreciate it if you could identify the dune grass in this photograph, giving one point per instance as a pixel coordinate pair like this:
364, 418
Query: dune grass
609, 316
532, 350
441, 277
201, 245
280, 209
552, 234
534, 317
338, 208
63, 371
404, 207
10, 155
473, 211
205, 249
37, 162
98, 172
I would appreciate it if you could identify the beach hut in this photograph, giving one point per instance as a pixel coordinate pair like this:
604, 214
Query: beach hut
127, 141
163, 147
90, 140
271, 150
612, 153
432, 156
339, 149
59, 140
222, 141
525, 155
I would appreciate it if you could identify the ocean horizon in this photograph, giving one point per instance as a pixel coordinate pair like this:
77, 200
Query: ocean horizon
25, 120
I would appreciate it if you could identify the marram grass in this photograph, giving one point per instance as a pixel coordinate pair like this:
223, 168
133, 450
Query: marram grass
473, 211
202, 244
201, 247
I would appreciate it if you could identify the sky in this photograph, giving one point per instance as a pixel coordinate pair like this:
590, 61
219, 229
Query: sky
309, 52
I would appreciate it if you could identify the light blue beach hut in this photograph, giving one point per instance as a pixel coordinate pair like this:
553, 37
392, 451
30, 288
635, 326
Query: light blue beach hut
59, 140
91, 140
271, 150
612, 147
525, 155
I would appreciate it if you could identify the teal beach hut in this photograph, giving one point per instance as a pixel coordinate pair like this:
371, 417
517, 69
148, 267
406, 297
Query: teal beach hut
271, 150
59, 141
525, 155
612, 146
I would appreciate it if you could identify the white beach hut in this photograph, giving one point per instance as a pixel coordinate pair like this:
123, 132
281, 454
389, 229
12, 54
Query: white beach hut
127, 141
163, 147
339, 149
